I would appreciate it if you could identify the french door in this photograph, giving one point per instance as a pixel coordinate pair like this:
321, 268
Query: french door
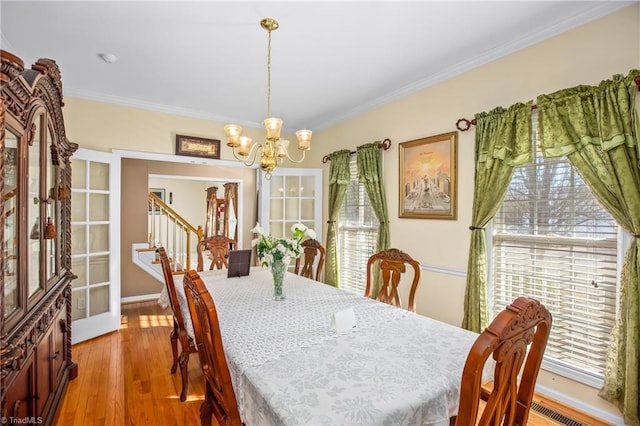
291, 196
95, 243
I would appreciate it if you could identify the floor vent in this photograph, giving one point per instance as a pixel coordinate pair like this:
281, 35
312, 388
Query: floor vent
555, 415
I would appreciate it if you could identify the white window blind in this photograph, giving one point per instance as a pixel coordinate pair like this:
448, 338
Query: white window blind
357, 234
552, 241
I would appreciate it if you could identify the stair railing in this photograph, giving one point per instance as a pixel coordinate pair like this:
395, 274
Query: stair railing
168, 229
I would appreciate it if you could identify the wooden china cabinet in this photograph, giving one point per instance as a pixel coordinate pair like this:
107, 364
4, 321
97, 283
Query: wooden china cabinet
35, 214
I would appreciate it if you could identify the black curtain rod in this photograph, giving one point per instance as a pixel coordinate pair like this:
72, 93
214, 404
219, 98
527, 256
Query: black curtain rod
384, 145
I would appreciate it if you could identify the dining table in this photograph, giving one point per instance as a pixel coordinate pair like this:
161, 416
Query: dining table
326, 356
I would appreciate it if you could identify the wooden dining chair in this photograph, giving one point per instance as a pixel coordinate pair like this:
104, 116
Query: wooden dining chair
526, 322
218, 247
393, 263
182, 330
219, 397
312, 249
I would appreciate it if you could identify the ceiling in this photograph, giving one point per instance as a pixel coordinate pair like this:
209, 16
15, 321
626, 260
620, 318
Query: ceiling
330, 60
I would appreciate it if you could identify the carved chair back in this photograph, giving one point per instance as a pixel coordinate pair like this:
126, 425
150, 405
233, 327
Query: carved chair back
180, 324
219, 399
526, 322
312, 249
218, 247
393, 263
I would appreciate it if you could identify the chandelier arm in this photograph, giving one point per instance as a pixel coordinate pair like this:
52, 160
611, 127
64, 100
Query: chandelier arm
286, 151
252, 154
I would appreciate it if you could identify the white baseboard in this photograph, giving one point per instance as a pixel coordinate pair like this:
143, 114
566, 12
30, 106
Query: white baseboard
580, 405
141, 298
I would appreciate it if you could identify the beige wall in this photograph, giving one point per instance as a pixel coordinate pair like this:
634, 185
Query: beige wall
585, 55
133, 221
134, 281
104, 127
235, 174
182, 193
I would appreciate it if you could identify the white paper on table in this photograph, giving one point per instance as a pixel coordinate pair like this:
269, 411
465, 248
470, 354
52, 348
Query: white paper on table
343, 320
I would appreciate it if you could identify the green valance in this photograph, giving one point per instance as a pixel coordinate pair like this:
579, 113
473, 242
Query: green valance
512, 126
339, 171
566, 117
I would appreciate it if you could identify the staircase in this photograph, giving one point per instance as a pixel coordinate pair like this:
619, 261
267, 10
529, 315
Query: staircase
167, 229
145, 258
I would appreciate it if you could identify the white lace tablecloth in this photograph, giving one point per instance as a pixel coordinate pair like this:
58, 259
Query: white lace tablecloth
257, 329
290, 367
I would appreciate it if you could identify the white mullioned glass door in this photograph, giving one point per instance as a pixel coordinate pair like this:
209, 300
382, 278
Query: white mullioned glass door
95, 244
292, 195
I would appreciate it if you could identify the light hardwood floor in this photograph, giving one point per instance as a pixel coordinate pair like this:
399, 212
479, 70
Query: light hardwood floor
124, 378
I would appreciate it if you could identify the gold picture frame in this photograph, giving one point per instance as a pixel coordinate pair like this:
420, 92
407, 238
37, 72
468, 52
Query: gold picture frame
429, 178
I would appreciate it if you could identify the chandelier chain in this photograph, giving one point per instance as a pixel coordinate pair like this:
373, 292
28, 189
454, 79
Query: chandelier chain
269, 76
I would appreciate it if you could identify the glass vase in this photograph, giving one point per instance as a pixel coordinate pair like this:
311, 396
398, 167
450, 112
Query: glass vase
278, 268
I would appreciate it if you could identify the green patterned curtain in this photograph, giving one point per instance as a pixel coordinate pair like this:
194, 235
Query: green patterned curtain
503, 141
339, 178
597, 129
370, 174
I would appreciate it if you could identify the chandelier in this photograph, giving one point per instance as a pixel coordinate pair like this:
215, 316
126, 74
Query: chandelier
273, 150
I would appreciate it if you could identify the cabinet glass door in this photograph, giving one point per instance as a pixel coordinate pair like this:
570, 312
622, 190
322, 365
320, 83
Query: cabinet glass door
10, 211
52, 215
34, 213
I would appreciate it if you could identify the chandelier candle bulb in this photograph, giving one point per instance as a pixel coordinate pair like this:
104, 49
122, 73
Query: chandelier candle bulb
304, 139
281, 148
244, 146
273, 126
233, 132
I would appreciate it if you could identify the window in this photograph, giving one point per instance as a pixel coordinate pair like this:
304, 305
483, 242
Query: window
357, 234
552, 241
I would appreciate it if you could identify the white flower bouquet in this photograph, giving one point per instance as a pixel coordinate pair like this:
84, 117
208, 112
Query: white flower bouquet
272, 249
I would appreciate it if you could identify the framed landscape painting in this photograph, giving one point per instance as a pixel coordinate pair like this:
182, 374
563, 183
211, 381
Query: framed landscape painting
428, 177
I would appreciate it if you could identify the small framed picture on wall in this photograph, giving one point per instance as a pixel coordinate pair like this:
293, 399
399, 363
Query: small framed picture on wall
158, 192
197, 147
